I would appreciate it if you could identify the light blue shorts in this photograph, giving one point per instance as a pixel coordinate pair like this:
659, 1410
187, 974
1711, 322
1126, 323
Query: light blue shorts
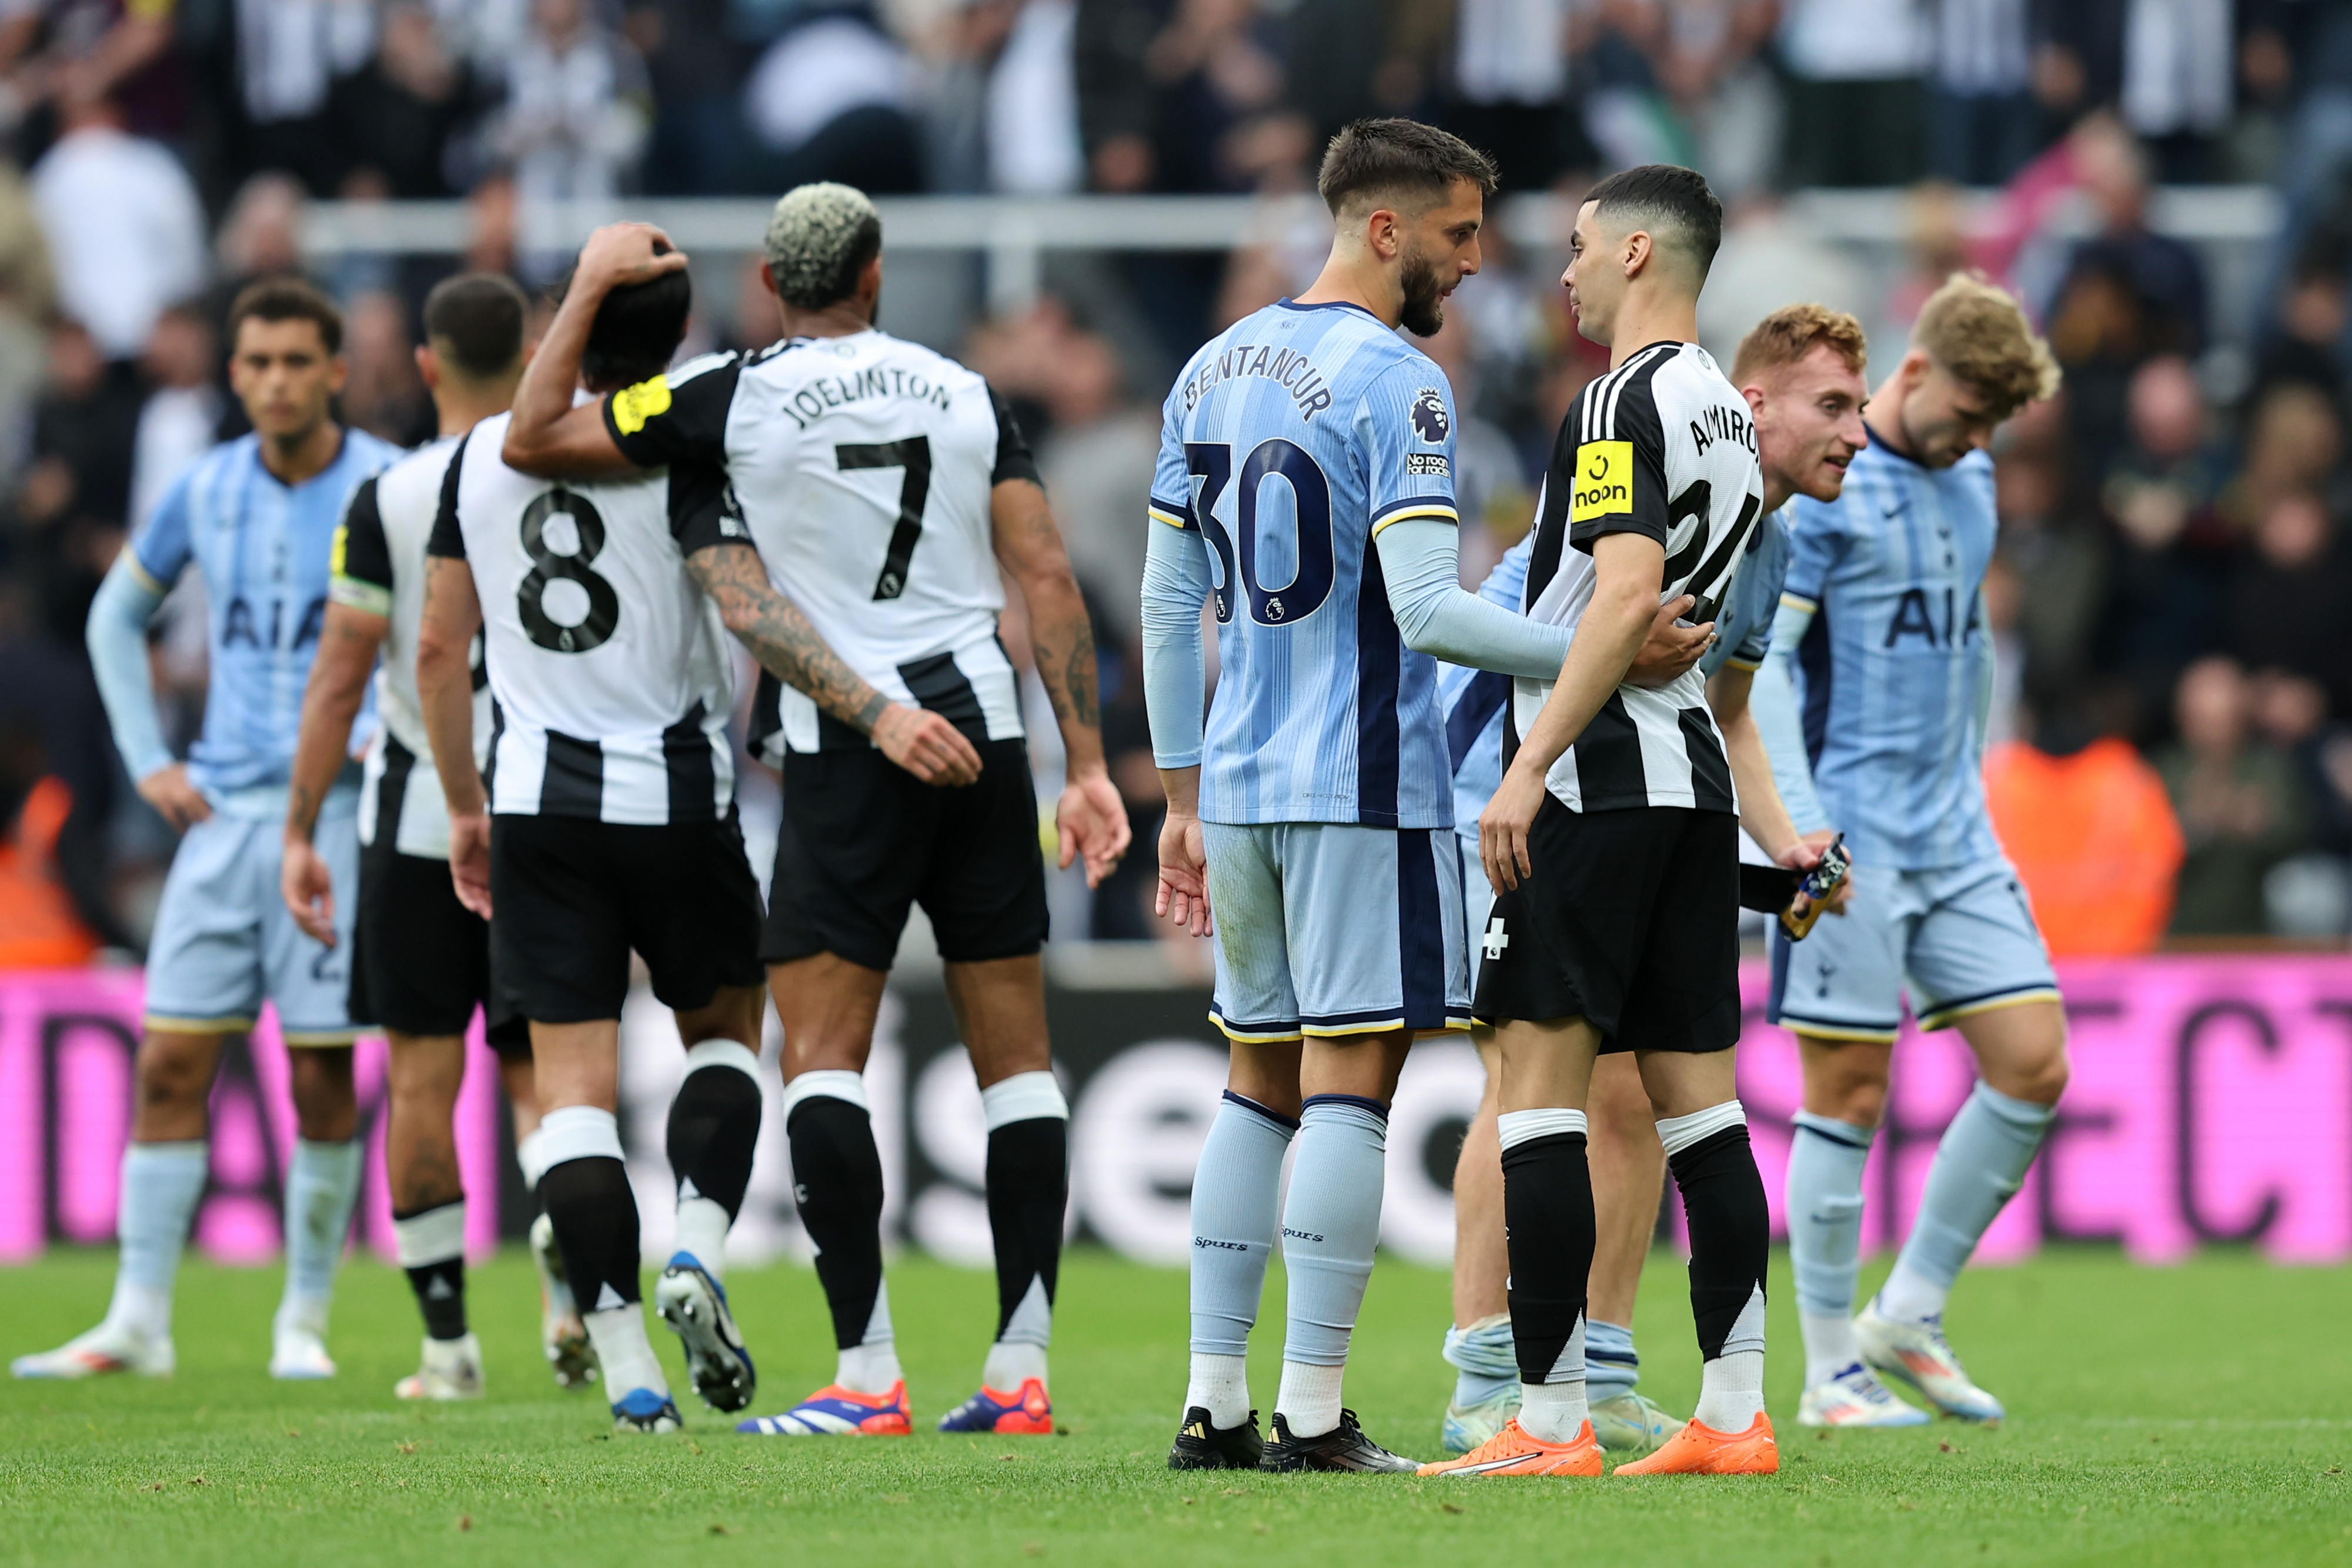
1963, 939
223, 940
1478, 902
1327, 928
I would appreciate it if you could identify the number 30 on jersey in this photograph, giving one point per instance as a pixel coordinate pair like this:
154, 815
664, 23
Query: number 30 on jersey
1212, 464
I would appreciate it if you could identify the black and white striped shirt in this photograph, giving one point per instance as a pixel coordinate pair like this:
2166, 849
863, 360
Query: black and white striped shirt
1661, 445
610, 680
867, 466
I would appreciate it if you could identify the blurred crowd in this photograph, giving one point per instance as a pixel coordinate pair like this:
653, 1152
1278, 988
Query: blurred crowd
2173, 720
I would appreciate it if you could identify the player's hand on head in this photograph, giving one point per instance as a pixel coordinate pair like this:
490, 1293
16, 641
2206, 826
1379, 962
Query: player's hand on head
1670, 651
308, 889
1503, 829
469, 860
180, 803
1183, 895
926, 745
619, 255
1091, 821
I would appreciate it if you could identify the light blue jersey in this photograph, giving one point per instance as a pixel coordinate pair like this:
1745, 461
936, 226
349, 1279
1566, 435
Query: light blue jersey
1472, 700
263, 547
1289, 441
1880, 642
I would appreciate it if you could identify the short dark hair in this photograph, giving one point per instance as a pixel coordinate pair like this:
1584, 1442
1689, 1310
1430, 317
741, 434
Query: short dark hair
637, 327
1672, 202
475, 322
287, 299
1398, 158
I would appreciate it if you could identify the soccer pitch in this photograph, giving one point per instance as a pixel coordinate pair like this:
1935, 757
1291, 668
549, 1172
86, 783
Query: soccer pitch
2201, 1413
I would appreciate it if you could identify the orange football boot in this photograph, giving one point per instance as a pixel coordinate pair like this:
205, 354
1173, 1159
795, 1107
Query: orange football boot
1511, 1452
1701, 1450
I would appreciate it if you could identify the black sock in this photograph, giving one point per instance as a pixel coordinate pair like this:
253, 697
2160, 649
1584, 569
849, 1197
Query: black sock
1028, 1194
1547, 1222
440, 1285
837, 1183
714, 1128
1730, 1232
595, 1219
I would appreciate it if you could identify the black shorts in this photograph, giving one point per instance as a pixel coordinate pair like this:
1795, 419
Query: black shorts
421, 960
570, 897
1631, 921
862, 839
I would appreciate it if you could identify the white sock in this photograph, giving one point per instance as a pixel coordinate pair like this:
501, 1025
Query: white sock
1830, 1346
1011, 1364
1219, 1385
1910, 1297
1731, 1391
1308, 1398
322, 1184
623, 1351
702, 1225
870, 1368
1552, 1412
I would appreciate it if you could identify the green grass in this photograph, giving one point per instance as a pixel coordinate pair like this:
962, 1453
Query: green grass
2195, 1414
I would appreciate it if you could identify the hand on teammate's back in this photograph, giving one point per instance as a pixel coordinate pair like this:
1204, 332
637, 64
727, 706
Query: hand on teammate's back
1183, 895
469, 860
168, 790
1091, 821
1670, 650
308, 889
926, 745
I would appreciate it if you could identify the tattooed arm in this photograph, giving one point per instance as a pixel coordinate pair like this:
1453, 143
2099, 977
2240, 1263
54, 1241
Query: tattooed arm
1091, 817
790, 649
339, 678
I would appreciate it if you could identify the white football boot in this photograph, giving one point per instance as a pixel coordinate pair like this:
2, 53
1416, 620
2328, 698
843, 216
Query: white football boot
1629, 1427
1468, 1426
298, 1343
107, 1349
450, 1369
1855, 1398
1917, 1355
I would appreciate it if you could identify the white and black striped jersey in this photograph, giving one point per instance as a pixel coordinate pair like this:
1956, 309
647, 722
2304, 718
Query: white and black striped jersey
865, 465
1661, 446
610, 681
378, 566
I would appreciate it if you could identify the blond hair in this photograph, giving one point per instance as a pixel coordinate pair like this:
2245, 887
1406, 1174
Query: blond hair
1791, 332
1979, 332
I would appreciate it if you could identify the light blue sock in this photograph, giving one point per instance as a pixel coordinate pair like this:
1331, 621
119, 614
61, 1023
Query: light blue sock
1236, 1199
1979, 1165
1332, 1223
1485, 1359
322, 1184
162, 1183
1824, 1206
1610, 1366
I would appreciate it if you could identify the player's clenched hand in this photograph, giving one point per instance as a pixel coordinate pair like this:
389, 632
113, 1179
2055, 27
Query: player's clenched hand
1670, 650
926, 745
168, 790
469, 860
619, 255
1183, 895
1091, 821
1503, 829
307, 889
1807, 854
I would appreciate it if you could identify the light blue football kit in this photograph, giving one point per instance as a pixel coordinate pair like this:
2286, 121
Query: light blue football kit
1473, 700
1872, 702
1287, 444
223, 940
